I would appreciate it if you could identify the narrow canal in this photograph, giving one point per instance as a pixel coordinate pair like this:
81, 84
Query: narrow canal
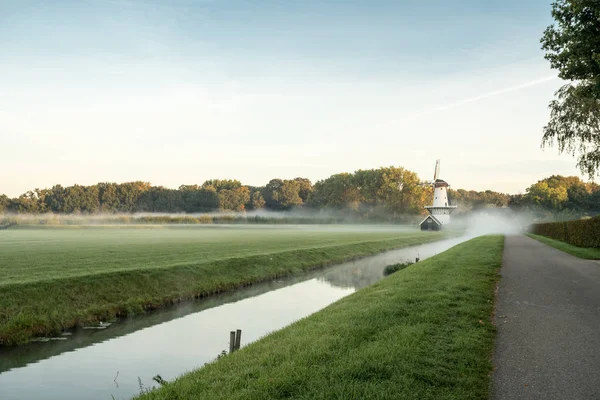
114, 361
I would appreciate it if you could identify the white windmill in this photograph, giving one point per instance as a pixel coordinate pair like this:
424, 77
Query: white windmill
439, 212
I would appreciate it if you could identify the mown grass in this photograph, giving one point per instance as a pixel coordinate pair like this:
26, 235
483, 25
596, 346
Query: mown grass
54, 279
588, 253
422, 333
29, 255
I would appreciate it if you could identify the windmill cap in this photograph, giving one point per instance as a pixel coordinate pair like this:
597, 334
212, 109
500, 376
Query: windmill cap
441, 183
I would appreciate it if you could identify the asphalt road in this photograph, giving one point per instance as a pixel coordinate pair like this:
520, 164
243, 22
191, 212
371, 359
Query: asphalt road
548, 318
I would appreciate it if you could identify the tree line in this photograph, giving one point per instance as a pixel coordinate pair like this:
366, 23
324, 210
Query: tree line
563, 197
382, 193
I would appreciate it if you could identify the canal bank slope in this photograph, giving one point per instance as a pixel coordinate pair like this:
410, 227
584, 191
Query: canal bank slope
422, 333
56, 301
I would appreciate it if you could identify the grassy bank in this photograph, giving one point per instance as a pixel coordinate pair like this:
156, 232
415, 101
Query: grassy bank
422, 333
51, 280
588, 253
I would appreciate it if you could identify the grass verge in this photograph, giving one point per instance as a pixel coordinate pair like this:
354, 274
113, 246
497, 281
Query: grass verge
588, 253
423, 333
49, 306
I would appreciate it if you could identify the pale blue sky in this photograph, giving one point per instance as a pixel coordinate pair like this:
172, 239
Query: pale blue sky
182, 91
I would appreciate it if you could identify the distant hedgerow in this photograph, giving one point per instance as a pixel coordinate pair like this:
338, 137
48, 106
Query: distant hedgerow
580, 233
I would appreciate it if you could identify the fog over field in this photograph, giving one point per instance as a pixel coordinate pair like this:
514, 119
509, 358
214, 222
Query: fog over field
476, 223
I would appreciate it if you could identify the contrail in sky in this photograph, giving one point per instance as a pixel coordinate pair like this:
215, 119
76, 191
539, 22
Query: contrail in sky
480, 97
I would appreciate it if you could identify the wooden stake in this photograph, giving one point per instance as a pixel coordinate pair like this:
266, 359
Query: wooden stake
238, 339
231, 342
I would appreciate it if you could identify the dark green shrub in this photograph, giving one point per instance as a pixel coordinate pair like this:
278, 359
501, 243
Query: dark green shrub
580, 233
390, 269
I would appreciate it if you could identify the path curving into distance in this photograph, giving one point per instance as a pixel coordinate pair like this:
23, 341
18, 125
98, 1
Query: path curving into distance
548, 318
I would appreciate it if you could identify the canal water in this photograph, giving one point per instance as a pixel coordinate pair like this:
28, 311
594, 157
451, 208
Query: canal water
114, 361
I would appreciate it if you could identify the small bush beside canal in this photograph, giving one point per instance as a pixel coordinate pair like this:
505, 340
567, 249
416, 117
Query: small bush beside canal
390, 269
425, 333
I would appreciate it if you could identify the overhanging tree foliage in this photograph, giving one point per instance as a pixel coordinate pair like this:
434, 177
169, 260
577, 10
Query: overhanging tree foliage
573, 48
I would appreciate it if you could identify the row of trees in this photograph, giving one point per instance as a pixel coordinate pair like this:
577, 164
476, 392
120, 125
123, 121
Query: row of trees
129, 197
553, 195
468, 200
132, 197
391, 190
559, 194
366, 192
378, 193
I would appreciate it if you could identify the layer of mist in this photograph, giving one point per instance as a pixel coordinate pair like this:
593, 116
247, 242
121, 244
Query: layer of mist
471, 224
493, 223
217, 217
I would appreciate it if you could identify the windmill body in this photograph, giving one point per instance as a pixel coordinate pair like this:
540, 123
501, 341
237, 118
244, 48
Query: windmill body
440, 210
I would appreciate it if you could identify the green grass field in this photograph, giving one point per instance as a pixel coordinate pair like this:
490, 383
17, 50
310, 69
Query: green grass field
422, 333
30, 255
55, 278
581, 252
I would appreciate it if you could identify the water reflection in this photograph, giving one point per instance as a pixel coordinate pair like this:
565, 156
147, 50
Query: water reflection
15, 357
171, 341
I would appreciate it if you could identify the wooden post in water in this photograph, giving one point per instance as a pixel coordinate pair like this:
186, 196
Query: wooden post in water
231, 342
238, 339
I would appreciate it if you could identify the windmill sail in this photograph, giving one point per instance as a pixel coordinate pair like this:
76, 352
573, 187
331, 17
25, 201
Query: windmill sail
436, 175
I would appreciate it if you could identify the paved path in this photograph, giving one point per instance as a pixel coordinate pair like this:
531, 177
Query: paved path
548, 317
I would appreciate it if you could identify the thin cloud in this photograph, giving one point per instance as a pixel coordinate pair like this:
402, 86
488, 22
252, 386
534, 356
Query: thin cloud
480, 97
154, 3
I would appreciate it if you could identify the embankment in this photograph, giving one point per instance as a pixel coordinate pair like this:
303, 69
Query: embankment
49, 306
422, 333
